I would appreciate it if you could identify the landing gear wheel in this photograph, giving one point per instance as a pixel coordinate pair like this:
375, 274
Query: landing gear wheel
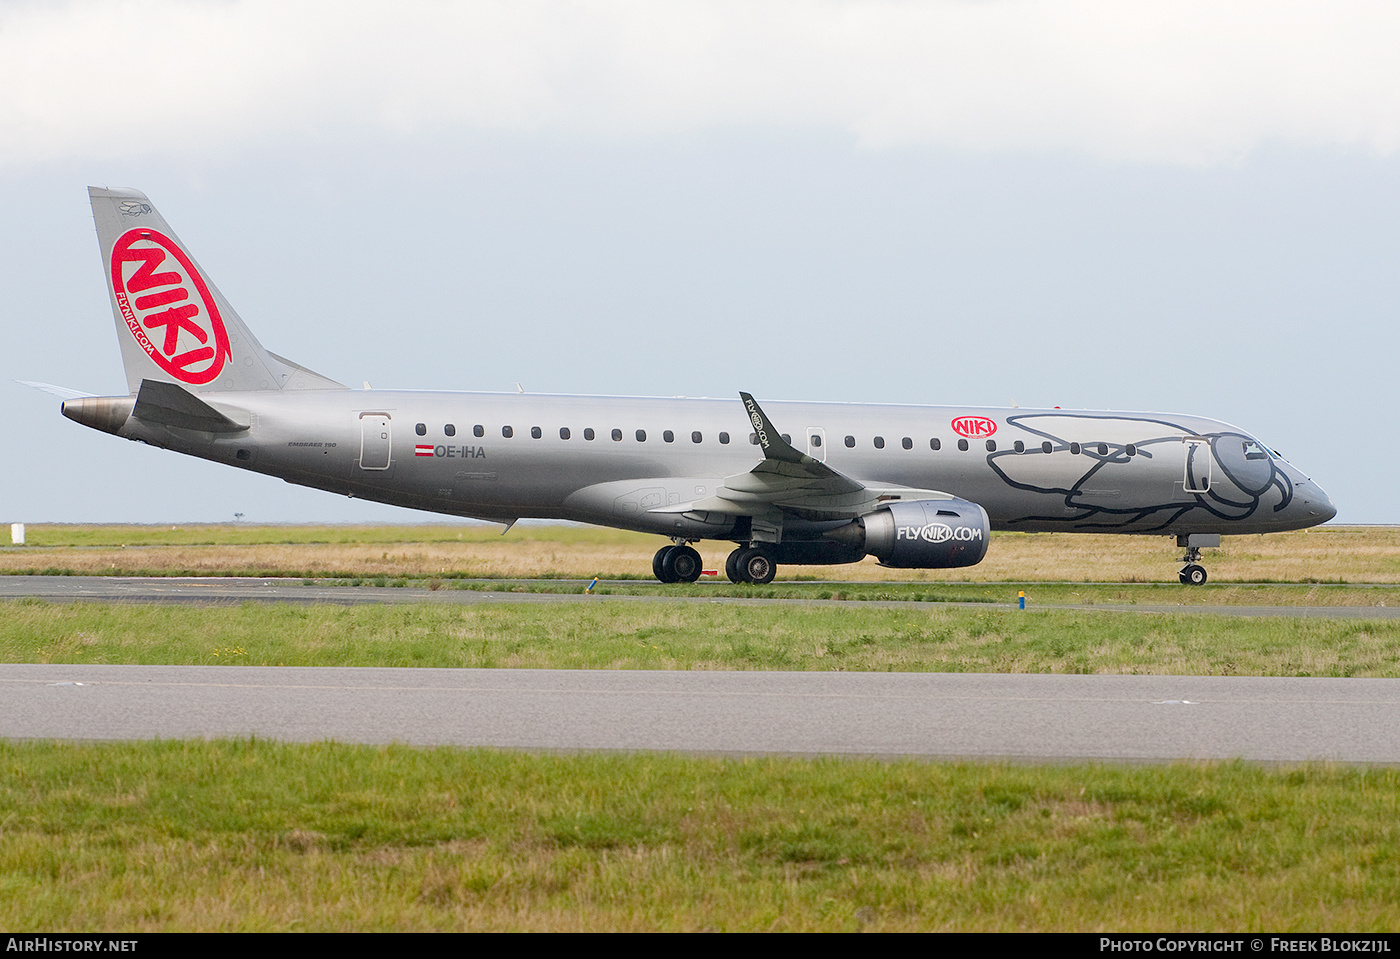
1193, 575
658, 565
757, 566
682, 564
731, 567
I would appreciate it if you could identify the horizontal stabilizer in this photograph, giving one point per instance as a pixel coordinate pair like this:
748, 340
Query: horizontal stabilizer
169, 405
62, 392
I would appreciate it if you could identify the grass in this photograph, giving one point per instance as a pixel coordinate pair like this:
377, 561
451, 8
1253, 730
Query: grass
260, 836
44, 535
623, 635
1037, 594
1328, 554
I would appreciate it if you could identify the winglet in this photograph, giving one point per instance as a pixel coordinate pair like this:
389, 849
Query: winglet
773, 445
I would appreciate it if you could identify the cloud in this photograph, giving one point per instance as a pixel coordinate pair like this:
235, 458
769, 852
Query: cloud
1170, 81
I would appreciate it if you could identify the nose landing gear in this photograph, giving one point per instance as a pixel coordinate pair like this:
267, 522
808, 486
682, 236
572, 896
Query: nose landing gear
1193, 573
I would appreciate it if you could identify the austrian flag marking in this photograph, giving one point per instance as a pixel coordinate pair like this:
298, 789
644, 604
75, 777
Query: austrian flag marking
422, 450
167, 307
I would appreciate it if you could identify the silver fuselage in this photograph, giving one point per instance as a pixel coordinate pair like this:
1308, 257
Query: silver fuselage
1103, 472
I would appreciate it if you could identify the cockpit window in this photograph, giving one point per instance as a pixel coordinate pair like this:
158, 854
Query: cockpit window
1254, 451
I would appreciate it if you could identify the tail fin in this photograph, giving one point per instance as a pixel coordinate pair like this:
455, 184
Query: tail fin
173, 324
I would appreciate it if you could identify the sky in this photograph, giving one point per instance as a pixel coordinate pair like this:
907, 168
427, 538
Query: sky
1171, 206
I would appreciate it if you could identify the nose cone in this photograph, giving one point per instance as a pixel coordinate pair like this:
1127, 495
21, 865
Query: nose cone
1326, 508
1311, 505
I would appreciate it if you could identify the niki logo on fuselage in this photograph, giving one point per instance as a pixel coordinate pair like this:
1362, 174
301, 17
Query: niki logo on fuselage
974, 427
187, 336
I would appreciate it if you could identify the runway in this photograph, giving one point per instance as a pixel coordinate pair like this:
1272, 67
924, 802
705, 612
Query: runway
1047, 718
927, 715
231, 590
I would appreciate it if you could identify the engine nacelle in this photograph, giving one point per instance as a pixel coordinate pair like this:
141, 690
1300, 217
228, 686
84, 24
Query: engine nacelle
924, 534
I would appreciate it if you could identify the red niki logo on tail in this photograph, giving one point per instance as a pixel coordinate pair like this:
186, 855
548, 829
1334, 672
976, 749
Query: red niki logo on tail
187, 337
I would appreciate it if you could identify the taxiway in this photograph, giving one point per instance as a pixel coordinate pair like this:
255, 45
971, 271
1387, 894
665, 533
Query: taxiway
1051, 718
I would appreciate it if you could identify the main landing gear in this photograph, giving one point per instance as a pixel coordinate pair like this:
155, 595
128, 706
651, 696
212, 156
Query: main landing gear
677, 564
751, 564
682, 564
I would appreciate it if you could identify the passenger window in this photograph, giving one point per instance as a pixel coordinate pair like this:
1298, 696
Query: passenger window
1020, 447
1103, 449
1046, 447
815, 440
617, 436
935, 444
588, 433
641, 436
724, 439
962, 445
421, 429
879, 442
1130, 449
787, 438
536, 432
991, 446
1074, 448
564, 433
753, 439
450, 430
507, 432
478, 430
907, 443
668, 436
696, 437
850, 442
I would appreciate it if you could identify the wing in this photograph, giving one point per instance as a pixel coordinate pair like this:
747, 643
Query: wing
789, 482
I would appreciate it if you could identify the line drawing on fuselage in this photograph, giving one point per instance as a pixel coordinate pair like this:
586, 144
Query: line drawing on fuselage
1249, 472
917, 487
